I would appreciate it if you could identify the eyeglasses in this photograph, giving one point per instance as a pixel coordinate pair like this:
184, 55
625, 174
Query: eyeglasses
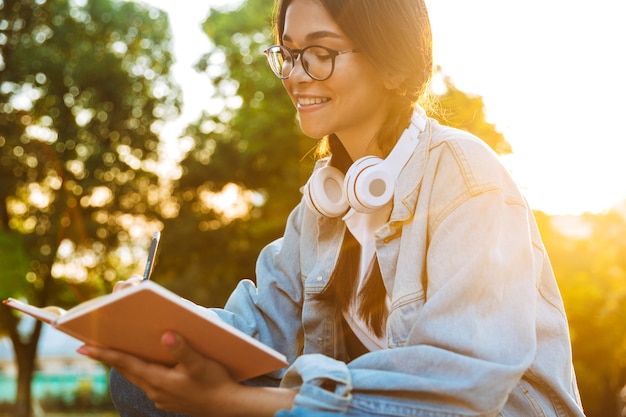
318, 61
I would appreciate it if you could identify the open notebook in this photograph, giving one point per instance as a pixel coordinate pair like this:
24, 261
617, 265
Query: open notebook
134, 319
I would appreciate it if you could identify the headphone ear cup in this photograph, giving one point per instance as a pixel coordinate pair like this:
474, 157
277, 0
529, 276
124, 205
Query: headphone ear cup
323, 193
368, 186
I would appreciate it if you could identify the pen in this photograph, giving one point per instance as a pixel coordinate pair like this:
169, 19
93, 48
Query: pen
151, 254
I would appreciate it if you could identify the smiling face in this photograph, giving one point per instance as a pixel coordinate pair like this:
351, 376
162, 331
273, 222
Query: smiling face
353, 102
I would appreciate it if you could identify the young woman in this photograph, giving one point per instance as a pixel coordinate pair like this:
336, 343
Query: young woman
411, 279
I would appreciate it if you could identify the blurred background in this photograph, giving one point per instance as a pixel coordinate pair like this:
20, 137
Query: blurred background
119, 118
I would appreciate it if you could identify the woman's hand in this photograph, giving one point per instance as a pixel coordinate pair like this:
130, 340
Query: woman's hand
196, 386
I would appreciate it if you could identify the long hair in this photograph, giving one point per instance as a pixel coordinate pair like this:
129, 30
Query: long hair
342, 286
395, 36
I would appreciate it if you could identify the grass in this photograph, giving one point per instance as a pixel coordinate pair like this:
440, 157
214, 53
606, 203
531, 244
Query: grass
80, 413
101, 414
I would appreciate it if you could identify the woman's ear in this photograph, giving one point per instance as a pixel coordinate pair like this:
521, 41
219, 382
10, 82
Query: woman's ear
393, 82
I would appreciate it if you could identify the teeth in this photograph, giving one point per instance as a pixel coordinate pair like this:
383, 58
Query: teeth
310, 101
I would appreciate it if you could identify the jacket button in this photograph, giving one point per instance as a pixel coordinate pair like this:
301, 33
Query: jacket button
319, 279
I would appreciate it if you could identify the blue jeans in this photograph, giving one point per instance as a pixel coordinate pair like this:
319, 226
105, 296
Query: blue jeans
131, 401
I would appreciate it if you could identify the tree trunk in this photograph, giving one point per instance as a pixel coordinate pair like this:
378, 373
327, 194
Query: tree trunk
25, 353
25, 356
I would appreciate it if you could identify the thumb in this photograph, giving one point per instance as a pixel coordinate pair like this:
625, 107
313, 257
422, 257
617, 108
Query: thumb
189, 360
180, 350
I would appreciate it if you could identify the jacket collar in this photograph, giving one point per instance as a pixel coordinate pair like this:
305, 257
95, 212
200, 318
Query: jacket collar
407, 186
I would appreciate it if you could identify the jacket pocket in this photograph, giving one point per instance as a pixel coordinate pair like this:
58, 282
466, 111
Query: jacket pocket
524, 401
403, 316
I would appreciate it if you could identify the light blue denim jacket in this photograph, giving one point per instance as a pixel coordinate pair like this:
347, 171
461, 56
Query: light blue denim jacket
476, 325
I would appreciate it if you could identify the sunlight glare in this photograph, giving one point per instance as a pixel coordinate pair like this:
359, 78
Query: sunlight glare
231, 203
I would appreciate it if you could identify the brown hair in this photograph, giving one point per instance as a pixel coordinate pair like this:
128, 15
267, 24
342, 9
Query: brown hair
395, 36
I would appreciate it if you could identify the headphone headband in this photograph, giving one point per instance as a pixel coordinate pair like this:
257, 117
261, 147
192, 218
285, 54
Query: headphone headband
402, 151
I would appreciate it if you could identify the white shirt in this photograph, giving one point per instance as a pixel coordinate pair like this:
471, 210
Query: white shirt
362, 226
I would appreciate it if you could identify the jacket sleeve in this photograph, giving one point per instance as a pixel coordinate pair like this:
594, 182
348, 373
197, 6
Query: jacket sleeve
270, 311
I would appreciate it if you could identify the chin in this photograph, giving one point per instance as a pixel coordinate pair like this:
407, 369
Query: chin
313, 132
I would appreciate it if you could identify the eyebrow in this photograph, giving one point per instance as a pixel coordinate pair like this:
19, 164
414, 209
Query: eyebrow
313, 36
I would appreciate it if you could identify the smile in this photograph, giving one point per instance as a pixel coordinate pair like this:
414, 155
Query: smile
309, 101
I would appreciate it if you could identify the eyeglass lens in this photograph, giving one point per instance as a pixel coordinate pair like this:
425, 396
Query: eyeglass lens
317, 61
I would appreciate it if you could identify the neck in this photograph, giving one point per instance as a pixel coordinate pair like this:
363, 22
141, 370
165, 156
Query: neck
360, 144
361, 139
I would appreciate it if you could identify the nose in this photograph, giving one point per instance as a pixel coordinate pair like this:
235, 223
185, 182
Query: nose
298, 74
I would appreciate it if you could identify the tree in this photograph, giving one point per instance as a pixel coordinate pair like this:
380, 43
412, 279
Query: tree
464, 111
84, 87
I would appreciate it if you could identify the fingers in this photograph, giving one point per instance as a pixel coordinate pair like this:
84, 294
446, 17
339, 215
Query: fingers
114, 358
130, 282
133, 368
188, 360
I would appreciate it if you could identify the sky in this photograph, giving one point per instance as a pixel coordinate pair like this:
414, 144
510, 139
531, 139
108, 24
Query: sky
552, 74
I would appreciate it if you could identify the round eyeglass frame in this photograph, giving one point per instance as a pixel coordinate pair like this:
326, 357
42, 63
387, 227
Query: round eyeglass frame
295, 54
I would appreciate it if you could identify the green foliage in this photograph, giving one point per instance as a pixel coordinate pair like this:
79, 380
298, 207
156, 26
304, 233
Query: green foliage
587, 253
13, 264
84, 88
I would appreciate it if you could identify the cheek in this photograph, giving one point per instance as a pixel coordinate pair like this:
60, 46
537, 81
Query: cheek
360, 76
362, 90
287, 87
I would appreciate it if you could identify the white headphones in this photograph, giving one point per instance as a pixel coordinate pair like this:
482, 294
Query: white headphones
368, 185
